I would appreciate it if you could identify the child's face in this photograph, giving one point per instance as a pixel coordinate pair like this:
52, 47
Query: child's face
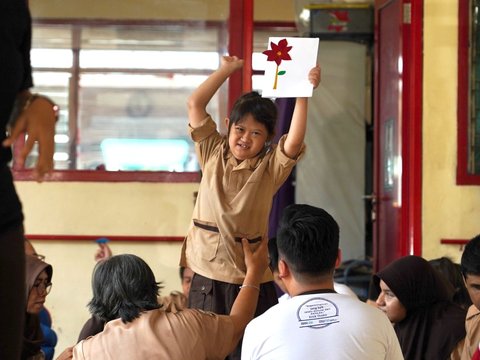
472, 283
247, 138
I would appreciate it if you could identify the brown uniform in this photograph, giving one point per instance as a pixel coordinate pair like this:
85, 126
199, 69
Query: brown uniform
234, 201
472, 339
157, 334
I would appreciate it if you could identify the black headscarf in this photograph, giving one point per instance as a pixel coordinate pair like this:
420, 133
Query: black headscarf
433, 325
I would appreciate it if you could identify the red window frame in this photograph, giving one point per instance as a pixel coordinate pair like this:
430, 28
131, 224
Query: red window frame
243, 25
464, 177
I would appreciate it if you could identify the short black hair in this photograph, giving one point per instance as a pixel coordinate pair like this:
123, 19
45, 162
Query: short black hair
273, 253
308, 239
123, 286
262, 109
470, 262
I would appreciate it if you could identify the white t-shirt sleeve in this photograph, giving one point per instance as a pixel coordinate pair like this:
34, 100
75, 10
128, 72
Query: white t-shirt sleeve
394, 351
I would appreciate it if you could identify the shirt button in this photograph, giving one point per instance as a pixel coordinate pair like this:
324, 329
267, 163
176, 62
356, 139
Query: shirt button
203, 287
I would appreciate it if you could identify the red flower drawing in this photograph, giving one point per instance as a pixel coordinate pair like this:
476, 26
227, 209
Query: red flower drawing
278, 53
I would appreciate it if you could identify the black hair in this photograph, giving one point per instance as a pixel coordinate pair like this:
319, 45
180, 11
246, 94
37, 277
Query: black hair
263, 111
470, 263
181, 271
308, 239
273, 254
123, 286
452, 274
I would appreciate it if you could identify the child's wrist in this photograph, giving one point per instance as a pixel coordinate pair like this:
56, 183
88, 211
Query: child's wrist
226, 71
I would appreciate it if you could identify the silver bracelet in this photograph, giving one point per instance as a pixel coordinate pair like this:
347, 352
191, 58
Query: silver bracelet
249, 286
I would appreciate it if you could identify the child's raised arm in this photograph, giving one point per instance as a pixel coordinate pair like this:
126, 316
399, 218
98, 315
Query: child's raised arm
298, 126
197, 102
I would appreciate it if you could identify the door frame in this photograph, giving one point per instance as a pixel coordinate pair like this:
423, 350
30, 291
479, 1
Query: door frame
409, 239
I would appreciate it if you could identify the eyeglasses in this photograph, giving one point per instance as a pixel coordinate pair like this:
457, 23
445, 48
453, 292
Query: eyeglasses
43, 288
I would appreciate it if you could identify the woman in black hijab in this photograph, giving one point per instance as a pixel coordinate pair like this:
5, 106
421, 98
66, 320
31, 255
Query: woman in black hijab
416, 300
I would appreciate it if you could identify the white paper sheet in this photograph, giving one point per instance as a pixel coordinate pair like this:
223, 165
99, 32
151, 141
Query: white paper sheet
289, 78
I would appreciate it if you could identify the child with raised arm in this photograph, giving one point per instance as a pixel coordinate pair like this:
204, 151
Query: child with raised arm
240, 175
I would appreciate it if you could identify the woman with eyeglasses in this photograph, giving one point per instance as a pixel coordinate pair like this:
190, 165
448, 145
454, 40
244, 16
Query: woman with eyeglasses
38, 285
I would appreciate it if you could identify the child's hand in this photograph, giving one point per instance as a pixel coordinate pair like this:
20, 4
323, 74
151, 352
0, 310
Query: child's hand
314, 76
232, 63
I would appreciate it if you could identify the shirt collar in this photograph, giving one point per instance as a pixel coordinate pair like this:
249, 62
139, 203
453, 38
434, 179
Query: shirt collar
245, 164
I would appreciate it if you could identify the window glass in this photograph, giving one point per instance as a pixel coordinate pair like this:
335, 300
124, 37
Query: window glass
474, 123
135, 122
122, 91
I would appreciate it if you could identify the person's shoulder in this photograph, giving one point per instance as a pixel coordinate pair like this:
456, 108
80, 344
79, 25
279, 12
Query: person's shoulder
200, 315
344, 289
274, 313
358, 308
473, 312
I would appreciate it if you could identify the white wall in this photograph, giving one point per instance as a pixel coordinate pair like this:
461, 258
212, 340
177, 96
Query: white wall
449, 211
135, 209
332, 173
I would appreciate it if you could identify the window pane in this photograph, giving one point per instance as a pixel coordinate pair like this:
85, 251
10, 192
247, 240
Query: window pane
55, 85
51, 58
138, 112
474, 124
141, 59
123, 90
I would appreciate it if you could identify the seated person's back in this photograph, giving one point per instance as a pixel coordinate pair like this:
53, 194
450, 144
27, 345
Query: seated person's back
137, 327
316, 322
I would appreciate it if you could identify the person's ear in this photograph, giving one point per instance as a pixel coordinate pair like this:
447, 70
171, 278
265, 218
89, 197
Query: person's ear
339, 258
227, 122
283, 269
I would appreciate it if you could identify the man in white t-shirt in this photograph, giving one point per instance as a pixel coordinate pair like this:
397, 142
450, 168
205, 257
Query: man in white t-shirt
273, 255
317, 322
